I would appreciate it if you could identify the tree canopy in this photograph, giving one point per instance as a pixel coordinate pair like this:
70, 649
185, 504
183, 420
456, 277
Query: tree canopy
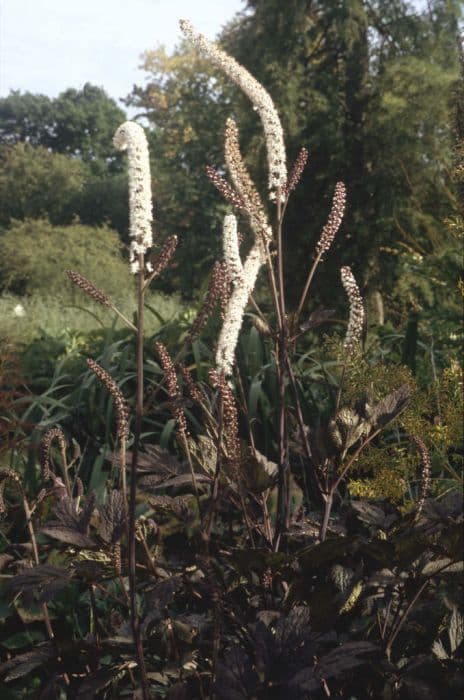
59, 160
79, 123
365, 86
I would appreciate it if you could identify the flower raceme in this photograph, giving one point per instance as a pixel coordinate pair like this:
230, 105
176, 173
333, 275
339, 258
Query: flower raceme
356, 319
131, 137
334, 221
243, 278
260, 99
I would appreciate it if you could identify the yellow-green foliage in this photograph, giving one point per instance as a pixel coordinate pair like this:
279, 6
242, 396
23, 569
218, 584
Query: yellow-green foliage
388, 483
434, 414
391, 468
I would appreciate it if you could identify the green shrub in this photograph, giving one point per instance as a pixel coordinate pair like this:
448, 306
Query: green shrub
34, 255
34, 182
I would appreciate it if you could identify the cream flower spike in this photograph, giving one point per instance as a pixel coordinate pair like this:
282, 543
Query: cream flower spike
231, 248
243, 281
131, 137
357, 313
260, 99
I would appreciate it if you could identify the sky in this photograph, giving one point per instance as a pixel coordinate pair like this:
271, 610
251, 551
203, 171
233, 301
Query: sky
47, 46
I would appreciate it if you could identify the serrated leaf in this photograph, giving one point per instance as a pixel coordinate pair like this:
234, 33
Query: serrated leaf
67, 535
98, 681
315, 319
439, 650
259, 472
22, 639
373, 515
154, 459
456, 629
111, 518
161, 595
183, 480
42, 579
71, 525
259, 560
178, 505
204, 452
390, 407
24, 663
324, 553
332, 665
436, 564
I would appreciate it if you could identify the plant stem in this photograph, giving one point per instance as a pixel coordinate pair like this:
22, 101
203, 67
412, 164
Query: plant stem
133, 483
35, 551
325, 520
64, 471
123, 477
124, 318
283, 490
217, 473
409, 607
188, 454
314, 477
309, 279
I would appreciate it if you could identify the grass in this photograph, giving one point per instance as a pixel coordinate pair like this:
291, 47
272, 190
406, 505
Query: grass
22, 319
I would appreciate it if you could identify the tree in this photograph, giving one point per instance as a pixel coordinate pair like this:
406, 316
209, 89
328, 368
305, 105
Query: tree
372, 83
34, 182
26, 117
79, 123
59, 160
364, 85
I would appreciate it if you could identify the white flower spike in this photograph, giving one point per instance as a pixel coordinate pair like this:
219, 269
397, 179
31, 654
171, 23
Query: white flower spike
357, 314
260, 99
243, 280
131, 137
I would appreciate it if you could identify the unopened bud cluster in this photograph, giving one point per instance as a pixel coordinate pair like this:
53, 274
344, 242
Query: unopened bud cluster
172, 388
192, 388
226, 190
45, 446
122, 411
426, 474
162, 260
5, 476
88, 287
244, 184
334, 221
229, 417
218, 293
297, 171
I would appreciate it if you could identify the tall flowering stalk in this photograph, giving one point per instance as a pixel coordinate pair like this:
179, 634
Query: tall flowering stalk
327, 237
131, 137
243, 278
356, 319
426, 473
244, 275
244, 184
260, 99
122, 419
